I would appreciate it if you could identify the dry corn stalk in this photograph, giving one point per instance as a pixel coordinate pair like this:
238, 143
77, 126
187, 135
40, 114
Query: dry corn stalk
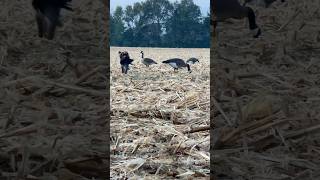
261, 106
190, 101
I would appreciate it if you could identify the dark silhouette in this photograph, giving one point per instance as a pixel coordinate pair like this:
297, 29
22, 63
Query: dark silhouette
125, 61
192, 60
177, 63
48, 14
225, 9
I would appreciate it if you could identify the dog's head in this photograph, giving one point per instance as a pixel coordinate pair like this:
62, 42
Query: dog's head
124, 55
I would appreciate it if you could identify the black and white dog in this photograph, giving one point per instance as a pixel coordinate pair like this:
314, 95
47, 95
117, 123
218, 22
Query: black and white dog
125, 61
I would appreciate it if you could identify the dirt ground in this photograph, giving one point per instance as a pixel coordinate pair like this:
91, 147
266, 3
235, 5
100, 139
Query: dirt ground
53, 94
266, 95
153, 112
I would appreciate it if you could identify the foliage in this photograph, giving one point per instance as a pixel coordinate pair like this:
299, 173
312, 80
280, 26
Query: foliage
160, 23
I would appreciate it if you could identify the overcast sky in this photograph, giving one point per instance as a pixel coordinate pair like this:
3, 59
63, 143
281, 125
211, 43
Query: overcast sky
203, 4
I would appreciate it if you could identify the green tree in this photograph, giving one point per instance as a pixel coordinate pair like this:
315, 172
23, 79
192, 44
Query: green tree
205, 32
159, 23
145, 22
117, 27
128, 36
184, 24
156, 13
202, 39
132, 19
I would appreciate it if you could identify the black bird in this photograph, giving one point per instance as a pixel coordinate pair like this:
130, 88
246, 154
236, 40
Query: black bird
225, 9
192, 60
177, 63
125, 61
147, 61
48, 15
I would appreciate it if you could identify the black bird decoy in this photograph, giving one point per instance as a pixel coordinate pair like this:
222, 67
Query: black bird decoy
177, 63
125, 61
225, 9
48, 15
147, 61
192, 60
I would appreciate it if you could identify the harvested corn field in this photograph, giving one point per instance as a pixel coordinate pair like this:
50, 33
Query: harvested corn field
160, 118
53, 106
266, 91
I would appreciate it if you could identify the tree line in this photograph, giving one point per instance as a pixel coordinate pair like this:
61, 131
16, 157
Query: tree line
160, 23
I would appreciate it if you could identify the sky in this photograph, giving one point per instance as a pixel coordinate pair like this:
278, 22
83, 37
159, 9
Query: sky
203, 4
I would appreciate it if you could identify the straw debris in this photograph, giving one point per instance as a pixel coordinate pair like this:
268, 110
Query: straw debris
52, 94
154, 114
266, 95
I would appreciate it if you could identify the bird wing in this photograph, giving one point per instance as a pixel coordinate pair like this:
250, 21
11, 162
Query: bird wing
148, 60
173, 64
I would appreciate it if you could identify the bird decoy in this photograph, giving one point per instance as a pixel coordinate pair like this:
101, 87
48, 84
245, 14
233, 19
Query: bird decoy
147, 61
125, 61
192, 60
177, 63
225, 9
48, 15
